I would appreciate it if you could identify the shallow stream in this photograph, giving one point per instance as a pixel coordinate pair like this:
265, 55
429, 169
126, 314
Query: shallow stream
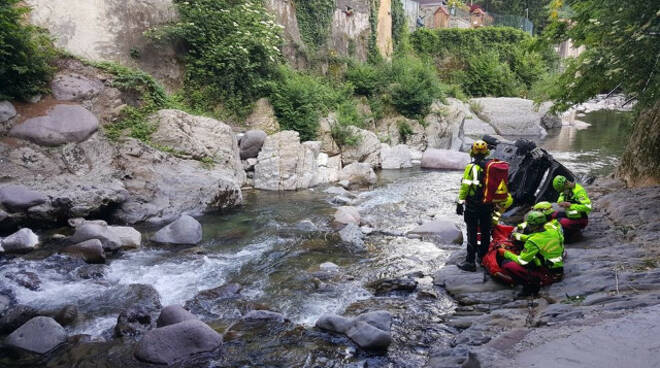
274, 246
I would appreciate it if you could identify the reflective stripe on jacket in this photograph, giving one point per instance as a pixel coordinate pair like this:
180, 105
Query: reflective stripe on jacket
580, 202
544, 247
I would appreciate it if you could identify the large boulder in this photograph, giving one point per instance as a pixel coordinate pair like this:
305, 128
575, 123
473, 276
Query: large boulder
513, 116
286, 164
20, 198
444, 159
251, 143
185, 230
38, 335
97, 230
444, 125
14, 317
62, 124
397, 157
173, 314
324, 133
442, 231
91, 251
74, 87
21, 241
367, 149
352, 236
197, 137
129, 238
263, 117
328, 169
358, 175
7, 111
169, 344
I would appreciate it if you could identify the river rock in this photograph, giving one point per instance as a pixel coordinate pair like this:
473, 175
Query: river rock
21, 241
442, 230
397, 157
551, 121
197, 137
26, 279
347, 215
324, 133
38, 335
444, 159
16, 316
20, 198
265, 315
358, 175
129, 238
388, 285
371, 331
62, 124
328, 169
173, 343
185, 230
66, 315
90, 250
513, 116
74, 87
134, 321
285, 164
263, 117
334, 323
353, 236
444, 125
7, 111
251, 143
173, 314
367, 149
96, 230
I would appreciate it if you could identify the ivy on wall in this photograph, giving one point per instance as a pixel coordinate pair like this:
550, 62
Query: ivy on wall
373, 55
314, 20
398, 22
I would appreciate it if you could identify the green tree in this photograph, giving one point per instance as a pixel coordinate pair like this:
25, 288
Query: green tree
26, 53
622, 49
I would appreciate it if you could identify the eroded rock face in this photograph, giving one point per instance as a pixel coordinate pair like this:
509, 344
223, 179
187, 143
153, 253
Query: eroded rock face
62, 124
169, 344
358, 175
38, 335
7, 111
397, 157
263, 117
324, 133
367, 149
74, 87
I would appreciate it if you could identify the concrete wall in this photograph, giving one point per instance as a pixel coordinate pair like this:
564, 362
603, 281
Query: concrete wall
107, 30
384, 29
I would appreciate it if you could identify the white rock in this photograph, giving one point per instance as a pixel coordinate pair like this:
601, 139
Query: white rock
367, 150
397, 157
128, 236
444, 159
23, 240
513, 116
347, 215
358, 174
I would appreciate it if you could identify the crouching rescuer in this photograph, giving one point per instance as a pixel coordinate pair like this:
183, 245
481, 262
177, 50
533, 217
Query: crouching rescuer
484, 184
540, 262
575, 205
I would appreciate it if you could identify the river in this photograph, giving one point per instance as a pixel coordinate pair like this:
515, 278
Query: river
274, 246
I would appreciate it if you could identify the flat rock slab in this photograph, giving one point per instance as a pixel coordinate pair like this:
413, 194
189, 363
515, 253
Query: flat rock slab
457, 281
176, 342
442, 230
20, 198
513, 116
63, 124
38, 335
371, 330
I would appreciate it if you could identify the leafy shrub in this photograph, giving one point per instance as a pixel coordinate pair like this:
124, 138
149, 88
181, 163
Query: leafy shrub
343, 135
367, 79
485, 75
26, 53
415, 86
300, 99
405, 130
314, 20
233, 50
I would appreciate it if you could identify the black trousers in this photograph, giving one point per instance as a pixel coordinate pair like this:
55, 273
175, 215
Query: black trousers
478, 218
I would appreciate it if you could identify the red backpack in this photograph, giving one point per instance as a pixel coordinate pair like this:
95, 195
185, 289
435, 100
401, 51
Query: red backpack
496, 181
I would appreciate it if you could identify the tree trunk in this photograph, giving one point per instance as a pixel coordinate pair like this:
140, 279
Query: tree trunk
640, 164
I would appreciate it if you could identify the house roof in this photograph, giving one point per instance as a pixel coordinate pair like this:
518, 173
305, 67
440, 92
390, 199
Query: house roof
442, 9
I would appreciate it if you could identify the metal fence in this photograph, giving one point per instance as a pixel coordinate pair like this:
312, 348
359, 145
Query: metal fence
460, 18
514, 21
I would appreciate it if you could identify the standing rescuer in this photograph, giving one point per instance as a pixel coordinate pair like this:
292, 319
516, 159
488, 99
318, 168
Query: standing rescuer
470, 204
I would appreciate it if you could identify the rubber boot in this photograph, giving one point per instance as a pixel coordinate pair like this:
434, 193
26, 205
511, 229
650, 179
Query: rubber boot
529, 290
468, 266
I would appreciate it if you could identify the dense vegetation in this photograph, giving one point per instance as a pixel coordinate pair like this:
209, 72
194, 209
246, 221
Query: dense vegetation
492, 61
26, 53
535, 9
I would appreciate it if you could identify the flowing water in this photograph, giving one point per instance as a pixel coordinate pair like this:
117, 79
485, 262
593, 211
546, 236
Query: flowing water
273, 247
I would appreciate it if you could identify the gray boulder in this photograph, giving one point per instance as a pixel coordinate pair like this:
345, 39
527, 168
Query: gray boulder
513, 116
20, 198
16, 316
133, 321
367, 149
62, 124
129, 238
185, 230
444, 159
334, 323
74, 87
7, 111
173, 314
176, 342
369, 337
397, 157
97, 230
90, 250
371, 331
347, 215
23, 240
353, 236
38, 335
251, 143
358, 174
442, 230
